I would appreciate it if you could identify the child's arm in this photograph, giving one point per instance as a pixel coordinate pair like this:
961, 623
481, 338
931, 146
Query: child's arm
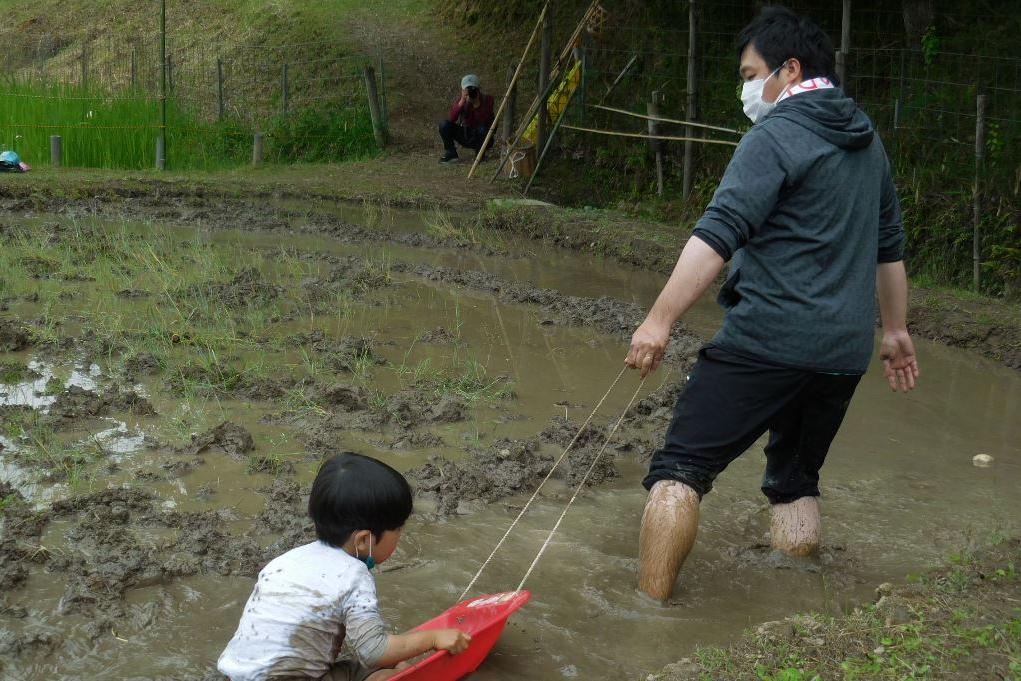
401, 647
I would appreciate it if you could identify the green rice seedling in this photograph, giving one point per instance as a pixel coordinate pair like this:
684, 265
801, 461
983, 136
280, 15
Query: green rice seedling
271, 463
439, 224
301, 405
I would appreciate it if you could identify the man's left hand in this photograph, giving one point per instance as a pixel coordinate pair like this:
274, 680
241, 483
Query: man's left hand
899, 362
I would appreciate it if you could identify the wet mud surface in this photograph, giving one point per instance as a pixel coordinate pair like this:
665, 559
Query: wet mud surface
161, 420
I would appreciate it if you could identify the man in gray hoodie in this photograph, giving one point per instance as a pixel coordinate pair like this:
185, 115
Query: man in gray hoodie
808, 217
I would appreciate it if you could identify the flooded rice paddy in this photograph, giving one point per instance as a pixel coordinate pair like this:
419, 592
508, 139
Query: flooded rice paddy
172, 372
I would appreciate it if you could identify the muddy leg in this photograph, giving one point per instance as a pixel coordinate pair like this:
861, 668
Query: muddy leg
669, 525
796, 527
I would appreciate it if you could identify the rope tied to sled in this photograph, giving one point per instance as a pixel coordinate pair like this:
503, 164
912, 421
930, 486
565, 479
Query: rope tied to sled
549, 474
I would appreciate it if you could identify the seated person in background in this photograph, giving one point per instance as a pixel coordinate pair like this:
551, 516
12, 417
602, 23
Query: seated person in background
469, 120
316, 597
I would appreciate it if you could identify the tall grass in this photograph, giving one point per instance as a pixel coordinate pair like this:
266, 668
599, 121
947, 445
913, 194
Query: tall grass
119, 130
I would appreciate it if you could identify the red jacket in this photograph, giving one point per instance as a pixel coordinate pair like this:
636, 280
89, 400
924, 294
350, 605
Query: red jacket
470, 117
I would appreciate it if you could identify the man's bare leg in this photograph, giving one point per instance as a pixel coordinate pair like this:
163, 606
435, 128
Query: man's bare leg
796, 527
669, 525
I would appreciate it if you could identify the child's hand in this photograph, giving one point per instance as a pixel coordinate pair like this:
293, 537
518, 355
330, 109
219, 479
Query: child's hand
452, 640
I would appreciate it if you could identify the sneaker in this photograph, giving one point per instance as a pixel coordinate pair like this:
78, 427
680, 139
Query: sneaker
449, 157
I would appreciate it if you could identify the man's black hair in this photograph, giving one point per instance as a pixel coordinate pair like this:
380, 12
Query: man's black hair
779, 34
352, 492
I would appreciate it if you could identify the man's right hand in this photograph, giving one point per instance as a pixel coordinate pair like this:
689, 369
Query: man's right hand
648, 346
464, 97
453, 640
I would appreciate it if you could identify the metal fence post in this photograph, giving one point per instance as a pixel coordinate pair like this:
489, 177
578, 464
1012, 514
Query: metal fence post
692, 113
85, 68
845, 44
980, 158
257, 149
55, 151
656, 145
161, 142
284, 90
219, 89
383, 105
134, 67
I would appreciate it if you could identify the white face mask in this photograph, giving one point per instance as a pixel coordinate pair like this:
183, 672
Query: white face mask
754, 106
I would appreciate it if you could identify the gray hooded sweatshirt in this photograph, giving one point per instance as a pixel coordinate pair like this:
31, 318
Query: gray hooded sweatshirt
806, 209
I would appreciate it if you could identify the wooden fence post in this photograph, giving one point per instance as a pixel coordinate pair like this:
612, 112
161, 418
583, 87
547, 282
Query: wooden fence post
980, 158
845, 44
85, 67
378, 127
219, 89
545, 56
692, 113
656, 145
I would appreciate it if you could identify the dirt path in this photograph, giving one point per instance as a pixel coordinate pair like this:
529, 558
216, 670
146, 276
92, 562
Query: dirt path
423, 64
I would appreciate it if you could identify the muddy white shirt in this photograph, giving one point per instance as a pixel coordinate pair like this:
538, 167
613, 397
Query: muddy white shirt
305, 603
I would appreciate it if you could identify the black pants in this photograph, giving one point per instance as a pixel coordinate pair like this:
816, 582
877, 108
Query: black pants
472, 138
730, 401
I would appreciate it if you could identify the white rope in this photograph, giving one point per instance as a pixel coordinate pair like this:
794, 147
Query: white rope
578, 489
544, 481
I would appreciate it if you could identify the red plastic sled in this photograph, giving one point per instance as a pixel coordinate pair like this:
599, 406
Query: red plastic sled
483, 618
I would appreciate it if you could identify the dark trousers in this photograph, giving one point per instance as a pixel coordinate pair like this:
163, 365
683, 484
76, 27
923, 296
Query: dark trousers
730, 401
472, 138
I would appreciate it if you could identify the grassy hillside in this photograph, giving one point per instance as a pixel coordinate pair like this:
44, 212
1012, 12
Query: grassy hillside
91, 73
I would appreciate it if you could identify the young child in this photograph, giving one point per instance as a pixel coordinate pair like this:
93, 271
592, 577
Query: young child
309, 601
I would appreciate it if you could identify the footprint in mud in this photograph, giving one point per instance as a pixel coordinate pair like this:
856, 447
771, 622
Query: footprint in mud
833, 561
77, 403
230, 438
14, 336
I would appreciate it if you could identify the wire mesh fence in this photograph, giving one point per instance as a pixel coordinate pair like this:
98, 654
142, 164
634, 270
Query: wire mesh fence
920, 88
103, 94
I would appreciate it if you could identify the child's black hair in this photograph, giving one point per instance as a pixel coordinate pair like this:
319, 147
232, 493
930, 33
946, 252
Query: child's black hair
779, 34
352, 492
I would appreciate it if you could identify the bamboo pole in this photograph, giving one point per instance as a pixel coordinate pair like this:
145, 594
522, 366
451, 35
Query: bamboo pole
545, 52
566, 52
646, 137
541, 97
549, 142
503, 103
661, 119
620, 76
521, 128
512, 105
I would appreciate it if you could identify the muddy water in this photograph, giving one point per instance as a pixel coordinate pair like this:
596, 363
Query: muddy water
900, 490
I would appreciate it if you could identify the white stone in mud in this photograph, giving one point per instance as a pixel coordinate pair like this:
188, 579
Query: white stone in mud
982, 460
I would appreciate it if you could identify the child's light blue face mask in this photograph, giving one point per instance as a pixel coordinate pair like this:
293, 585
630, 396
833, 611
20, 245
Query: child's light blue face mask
369, 561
